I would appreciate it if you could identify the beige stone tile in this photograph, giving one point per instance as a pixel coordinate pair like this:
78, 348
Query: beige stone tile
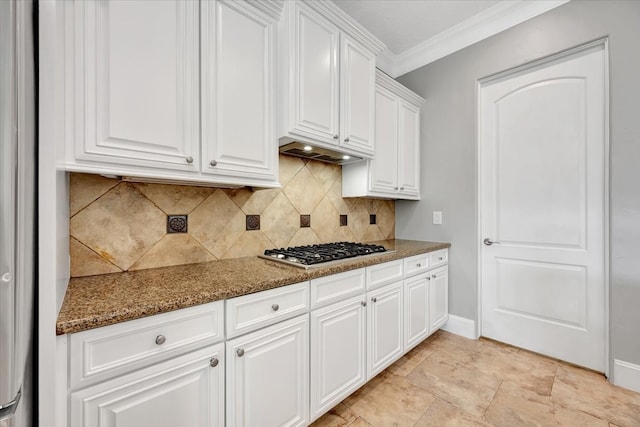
339, 416
360, 422
304, 236
252, 202
353, 203
326, 174
444, 414
452, 349
84, 188
280, 221
514, 405
467, 389
85, 262
174, 199
325, 220
343, 234
386, 221
289, 167
394, 402
173, 249
582, 390
358, 221
335, 195
120, 226
372, 234
250, 243
304, 191
217, 223
407, 363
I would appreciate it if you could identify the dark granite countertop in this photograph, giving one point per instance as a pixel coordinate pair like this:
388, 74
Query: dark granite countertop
95, 301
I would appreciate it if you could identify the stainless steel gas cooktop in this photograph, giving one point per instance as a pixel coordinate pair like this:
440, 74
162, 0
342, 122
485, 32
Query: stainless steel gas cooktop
321, 255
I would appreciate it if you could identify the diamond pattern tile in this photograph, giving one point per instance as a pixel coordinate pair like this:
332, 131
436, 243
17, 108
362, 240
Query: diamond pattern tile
304, 191
280, 221
173, 249
325, 220
84, 188
85, 262
174, 199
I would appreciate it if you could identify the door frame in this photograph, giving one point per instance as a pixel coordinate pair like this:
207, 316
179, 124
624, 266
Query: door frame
607, 201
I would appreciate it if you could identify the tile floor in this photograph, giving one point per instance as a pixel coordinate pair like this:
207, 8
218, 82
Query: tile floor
451, 381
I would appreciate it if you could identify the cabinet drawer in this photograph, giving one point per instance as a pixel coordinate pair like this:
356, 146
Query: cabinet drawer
416, 264
336, 287
103, 353
381, 274
250, 312
438, 258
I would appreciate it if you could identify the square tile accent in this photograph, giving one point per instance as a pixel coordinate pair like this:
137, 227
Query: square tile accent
343, 220
372, 219
253, 222
176, 224
305, 221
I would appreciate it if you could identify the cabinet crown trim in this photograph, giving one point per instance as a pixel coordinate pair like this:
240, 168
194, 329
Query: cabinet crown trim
273, 8
347, 24
396, 87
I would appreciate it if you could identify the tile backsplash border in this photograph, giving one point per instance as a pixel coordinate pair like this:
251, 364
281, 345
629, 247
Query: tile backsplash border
119, 226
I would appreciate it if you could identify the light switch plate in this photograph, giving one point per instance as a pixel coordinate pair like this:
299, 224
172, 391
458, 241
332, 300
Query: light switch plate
437, 217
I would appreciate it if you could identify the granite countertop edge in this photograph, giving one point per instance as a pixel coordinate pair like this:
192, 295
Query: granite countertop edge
95, 301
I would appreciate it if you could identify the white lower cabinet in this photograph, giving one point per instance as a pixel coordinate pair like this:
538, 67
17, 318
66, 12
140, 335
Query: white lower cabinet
268, 376
416, 310
384, 327
338, 346
438, 298
185, 391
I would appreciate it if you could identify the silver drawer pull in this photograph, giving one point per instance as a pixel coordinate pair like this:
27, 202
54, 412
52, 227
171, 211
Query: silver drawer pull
160, 339
189, 159
240, 352
374, 299
213, 163
428, 278
440, 258
363, 303
433, 276
275, 307
419, 265
213, 362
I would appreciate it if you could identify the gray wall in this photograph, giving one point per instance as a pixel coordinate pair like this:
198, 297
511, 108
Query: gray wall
449, 149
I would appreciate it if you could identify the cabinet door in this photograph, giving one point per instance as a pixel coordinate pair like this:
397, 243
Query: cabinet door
357, 88
337, 353
416, 310
409, 150
268, 376
383, 169
134, 81
238, 91
185, 391
384, 327
314, 110
438, 298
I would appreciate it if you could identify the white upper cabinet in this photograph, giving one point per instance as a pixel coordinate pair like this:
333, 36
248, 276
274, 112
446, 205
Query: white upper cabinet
395, 171
327, 75
170, 90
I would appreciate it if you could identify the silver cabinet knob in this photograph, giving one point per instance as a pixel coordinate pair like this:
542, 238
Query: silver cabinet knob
374, 299
346, 140
419, 265
433, 276
335, 136
428, 278
401, 188
6, 278
213, 362
363, 303
240, 352
160, 339
489, 242
275, 307
213, 163
440, 258
189, 159
395, 188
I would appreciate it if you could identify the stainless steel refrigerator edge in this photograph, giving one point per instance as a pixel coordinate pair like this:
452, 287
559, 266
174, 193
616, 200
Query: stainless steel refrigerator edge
17, 212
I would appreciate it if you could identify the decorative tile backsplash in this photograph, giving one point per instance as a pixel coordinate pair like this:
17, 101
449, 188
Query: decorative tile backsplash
118, 226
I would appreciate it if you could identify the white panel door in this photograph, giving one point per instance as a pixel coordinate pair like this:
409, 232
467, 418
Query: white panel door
416, 310
438, 298
136, 83
238, 74
409, 149
383, 173
384, 327
338, 350
542, 145
315, 83
268, 376
185, 391
357, 88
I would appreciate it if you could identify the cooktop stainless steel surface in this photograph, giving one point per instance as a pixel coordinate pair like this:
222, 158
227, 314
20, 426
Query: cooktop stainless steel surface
322, 255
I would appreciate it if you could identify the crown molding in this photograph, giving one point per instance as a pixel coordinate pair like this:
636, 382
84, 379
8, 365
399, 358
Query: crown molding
498, 18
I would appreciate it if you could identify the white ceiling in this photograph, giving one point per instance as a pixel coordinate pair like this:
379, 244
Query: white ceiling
418, 32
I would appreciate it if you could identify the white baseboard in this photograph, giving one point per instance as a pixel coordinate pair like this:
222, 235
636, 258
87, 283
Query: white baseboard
626, 375
461, 326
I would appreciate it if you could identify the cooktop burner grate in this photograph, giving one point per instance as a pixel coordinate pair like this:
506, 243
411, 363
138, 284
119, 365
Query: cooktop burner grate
310, 255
